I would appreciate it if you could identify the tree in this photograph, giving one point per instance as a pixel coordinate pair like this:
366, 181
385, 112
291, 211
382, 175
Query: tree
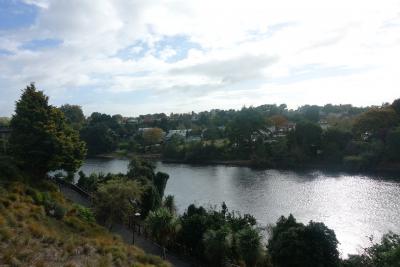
73, 115
217, 244
384, 254
194, 224
4, 121
169, 203
114, 200
153, 136
396, 106
278, 120
249, 245
376, 121
160, 182
308, 137
41, 140
141, 168
393, 144
163, 226
311, 113
334, 143
294, 244
242, 126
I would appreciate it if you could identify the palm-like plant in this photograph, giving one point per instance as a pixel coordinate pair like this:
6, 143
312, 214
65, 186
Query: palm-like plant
162, 225
218, 245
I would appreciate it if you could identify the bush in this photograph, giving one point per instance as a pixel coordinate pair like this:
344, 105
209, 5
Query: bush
85, 214
59, 211
8, 170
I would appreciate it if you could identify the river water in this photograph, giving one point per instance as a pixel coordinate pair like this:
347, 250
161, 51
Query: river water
354, 206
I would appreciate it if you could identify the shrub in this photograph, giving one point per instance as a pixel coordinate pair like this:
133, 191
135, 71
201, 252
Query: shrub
59, 211
85, 214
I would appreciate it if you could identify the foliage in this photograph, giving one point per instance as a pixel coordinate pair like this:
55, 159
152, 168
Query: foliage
308, 137
160, 182
8, 169
162, 225
220, 236
28, 235
396, 106
99, 138
393, 145
334, 142
74, 115
249, 246
90, 183
4, 121
296, 244
153, 136
384, 254
139, 168
84, 213
217, 245
376, 121
242, 126
169, 204
41, 140
114, 200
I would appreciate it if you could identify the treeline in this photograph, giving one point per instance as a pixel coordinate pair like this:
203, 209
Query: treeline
363, 139
342, 136
272, 136
43, 139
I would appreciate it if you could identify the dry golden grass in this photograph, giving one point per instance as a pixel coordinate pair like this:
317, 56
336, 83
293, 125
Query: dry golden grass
29, 237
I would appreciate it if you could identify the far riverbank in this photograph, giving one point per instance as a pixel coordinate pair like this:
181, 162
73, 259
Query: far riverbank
382, 169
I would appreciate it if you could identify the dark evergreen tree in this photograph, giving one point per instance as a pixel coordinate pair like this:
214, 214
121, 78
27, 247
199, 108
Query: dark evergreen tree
41, 140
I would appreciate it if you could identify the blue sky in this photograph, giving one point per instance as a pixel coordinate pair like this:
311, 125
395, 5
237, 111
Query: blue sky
135, 57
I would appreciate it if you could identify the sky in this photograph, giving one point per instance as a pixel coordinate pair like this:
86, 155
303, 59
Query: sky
136, 57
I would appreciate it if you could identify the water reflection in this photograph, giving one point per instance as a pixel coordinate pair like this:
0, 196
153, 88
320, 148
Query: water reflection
355, 206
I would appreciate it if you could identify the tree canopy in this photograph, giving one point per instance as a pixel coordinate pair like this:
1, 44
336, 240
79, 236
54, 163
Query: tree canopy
74, 115
41, 140
296, 244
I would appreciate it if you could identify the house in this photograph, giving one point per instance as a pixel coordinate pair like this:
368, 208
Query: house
178, 133
323, 124
287, 127
132, 121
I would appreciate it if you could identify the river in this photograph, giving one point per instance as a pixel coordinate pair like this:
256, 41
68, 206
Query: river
354, 206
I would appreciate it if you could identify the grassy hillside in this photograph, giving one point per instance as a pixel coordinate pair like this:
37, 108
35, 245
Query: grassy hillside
38, 227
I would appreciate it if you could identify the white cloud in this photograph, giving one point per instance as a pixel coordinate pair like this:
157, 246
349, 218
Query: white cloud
251, 51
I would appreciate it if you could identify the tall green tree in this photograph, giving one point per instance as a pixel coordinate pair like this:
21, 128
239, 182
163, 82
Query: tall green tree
250, 246
41, 140
396, 106
218, 245
74, 115
376, 121
308, 137
242, 127
115, 200
298, 245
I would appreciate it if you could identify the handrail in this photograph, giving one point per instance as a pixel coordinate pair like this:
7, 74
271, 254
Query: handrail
73, 186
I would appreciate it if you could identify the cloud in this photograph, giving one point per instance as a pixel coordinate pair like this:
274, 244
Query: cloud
237, 69
222, 53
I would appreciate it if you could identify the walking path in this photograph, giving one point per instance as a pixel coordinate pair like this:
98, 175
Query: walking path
124, 231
